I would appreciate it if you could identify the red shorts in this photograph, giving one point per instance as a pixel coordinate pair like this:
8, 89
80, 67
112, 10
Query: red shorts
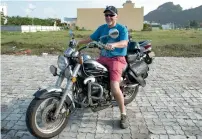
115, 66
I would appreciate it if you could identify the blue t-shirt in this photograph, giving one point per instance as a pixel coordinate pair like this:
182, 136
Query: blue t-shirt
104, 30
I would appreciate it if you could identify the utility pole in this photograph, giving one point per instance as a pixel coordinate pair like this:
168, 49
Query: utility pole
32, 8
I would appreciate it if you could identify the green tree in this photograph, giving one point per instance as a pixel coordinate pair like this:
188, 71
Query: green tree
194, 24
17, 20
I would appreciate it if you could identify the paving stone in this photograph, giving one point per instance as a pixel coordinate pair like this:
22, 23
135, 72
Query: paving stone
126, 136
153, 136
10, 134
81, 136
140, 136
177, 137
19, 134
117, 136
67, 135
168, 107
157, 129
87, 130
90, 136
13, 117
198, 137
103, 136
163, 136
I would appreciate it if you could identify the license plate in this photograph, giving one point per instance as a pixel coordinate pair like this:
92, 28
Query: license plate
151, 54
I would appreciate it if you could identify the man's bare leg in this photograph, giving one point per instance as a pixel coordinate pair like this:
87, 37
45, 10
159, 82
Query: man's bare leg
115, 88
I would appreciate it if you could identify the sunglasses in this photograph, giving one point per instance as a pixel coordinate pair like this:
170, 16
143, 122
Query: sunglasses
111, 15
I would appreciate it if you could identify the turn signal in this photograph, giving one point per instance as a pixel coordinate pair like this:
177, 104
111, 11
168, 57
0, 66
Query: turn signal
81, 60
73, 79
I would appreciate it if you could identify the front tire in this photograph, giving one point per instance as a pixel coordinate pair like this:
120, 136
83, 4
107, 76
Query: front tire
31, 121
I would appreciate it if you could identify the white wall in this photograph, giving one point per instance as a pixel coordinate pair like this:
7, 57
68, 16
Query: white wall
29, 28
168, 26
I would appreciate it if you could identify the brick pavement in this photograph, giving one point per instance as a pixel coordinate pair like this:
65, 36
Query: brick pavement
169, 107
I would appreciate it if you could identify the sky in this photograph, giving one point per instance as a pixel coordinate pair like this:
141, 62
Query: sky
68, 8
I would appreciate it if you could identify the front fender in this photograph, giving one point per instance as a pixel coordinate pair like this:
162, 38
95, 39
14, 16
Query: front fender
52, 92
48, 92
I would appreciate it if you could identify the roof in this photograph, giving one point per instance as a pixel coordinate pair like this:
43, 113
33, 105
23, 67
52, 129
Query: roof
69, 19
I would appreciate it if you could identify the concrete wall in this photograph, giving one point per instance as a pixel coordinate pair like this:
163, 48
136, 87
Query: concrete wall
91, 18
29, 28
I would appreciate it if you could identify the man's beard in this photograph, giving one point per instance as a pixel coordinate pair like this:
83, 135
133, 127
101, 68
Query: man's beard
110, 23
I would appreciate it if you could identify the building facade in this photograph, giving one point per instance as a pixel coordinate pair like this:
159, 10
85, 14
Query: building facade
70, 21
91, 18
3, 9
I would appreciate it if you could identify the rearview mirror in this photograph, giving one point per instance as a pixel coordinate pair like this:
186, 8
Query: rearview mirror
53, 70
113, 33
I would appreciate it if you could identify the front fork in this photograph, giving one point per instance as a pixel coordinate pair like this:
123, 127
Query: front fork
67, 90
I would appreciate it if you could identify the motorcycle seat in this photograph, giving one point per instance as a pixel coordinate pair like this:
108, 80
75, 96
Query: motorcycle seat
141, 42
123, 71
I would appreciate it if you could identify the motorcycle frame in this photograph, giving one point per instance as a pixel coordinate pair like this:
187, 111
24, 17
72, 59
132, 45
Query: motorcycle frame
68, 90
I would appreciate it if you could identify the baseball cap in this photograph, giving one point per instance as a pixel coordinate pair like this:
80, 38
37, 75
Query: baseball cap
111, 9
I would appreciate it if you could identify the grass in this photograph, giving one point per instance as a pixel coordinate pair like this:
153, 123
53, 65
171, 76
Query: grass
186, 43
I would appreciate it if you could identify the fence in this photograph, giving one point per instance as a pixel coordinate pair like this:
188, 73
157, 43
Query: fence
29, 28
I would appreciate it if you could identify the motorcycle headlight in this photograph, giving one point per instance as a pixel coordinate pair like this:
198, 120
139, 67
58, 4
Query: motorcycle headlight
68, 72
62, 62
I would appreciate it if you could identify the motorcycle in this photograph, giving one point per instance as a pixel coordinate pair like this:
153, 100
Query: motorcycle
145, 49
87, 86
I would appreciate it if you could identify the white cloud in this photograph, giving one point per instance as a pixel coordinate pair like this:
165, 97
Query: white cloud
28, 10
49, 12
31, 6
153, 4
148, 5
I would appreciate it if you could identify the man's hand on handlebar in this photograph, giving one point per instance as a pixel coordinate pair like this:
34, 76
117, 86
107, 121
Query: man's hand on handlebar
99, 45
109, 46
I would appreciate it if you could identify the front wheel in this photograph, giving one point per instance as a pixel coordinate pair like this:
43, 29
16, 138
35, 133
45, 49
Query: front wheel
130, 94
40, 121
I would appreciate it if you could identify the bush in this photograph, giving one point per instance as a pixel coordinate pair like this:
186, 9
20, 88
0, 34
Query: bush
160, 28
77, 28
147, 27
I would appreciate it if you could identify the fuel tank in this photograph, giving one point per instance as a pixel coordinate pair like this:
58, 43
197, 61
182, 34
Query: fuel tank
94, 68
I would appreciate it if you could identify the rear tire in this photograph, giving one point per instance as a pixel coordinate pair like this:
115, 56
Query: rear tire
133, 93
30, 121
148, 59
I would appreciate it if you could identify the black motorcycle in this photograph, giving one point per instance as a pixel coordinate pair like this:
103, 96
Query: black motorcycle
87, 86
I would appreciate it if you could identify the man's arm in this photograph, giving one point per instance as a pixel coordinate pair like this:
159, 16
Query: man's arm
84, 41
94, 36
120, 44
123, 40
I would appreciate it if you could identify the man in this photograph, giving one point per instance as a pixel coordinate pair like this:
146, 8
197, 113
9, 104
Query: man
113, 56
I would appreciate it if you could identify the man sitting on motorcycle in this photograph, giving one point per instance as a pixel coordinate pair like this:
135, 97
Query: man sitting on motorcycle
113, 56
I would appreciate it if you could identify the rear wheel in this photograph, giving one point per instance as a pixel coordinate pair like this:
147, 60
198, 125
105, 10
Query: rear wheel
148, 59
130, 94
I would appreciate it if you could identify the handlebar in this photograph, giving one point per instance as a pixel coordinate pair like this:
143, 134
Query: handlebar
93, 44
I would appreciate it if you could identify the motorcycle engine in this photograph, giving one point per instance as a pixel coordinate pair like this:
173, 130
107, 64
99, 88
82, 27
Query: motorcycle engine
99, 89
96, 89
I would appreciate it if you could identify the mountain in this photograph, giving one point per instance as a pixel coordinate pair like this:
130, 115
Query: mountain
170, 13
